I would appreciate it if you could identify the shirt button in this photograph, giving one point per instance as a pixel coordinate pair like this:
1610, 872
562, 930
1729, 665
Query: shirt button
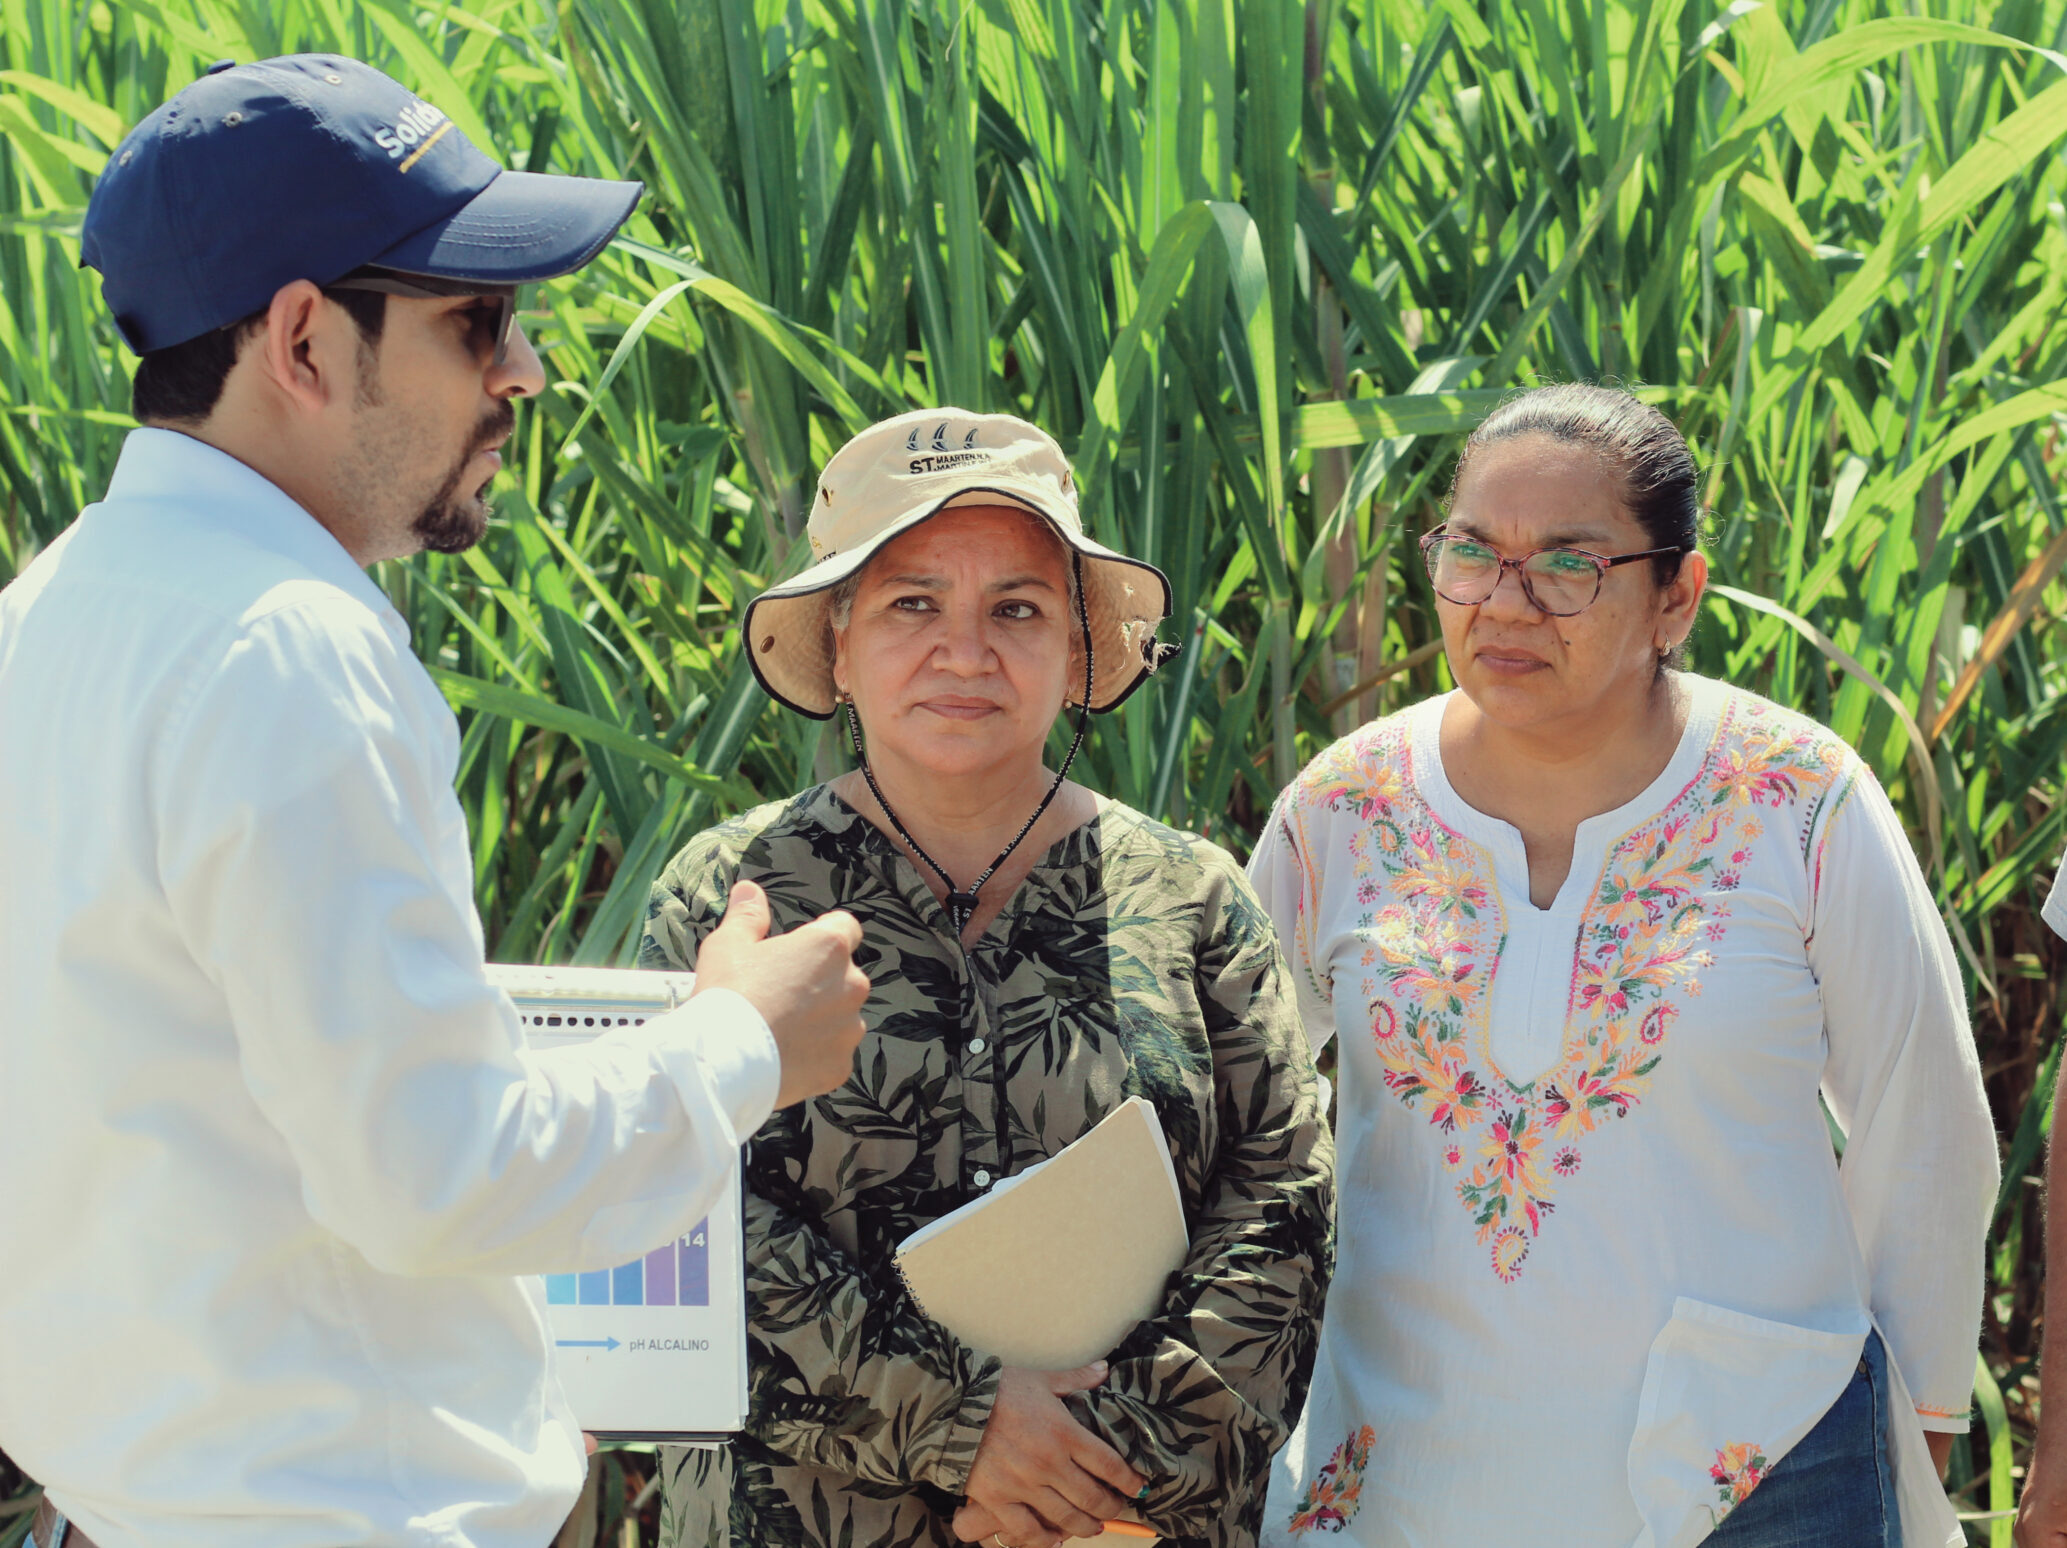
982, 1178
976, 1045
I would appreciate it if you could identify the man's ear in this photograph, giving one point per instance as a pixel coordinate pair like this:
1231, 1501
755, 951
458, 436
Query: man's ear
307, 351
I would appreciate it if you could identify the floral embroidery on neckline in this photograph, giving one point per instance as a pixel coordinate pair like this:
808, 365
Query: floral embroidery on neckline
1331, 1500
1738, 1469
1435, 930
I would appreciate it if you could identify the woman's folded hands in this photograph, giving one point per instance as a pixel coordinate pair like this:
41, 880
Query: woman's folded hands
1039, 1476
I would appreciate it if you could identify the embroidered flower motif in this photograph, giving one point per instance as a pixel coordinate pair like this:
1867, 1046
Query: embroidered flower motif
1430, 959
1436, 929
1587, 1095
1506, 1185
1331, 1500
1442, 884
1738, 1469
1456, 1095
1510, 1149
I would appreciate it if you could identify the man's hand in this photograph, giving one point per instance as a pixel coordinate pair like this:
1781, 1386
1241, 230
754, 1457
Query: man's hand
804, 984
2042, 1509
1039, 1476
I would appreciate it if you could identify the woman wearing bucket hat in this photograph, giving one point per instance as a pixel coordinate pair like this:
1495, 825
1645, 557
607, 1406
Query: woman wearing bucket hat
1039, 955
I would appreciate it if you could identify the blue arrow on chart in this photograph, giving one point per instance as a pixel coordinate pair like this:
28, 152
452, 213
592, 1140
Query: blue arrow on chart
605, 1344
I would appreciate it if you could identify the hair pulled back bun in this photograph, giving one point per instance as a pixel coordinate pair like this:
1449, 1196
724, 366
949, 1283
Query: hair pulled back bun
1642, 449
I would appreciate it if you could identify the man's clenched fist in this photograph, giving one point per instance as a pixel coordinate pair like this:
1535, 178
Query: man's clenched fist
804, 984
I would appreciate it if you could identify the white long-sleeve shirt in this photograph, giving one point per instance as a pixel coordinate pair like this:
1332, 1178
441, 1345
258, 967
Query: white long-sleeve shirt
1597, 1268
272, 1153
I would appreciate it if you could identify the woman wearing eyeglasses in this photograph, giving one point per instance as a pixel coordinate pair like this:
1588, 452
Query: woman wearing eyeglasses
1595, 935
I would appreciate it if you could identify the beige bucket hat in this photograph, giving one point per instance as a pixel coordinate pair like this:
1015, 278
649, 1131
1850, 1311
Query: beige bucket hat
896, 474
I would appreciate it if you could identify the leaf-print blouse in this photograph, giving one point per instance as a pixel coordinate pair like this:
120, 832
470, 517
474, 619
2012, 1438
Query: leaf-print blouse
1134, 960
1594, 1242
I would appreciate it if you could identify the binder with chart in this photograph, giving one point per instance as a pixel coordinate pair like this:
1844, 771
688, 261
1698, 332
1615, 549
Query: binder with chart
653, 1349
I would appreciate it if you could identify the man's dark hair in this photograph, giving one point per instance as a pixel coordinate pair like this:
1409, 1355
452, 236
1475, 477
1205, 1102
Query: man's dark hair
184, 383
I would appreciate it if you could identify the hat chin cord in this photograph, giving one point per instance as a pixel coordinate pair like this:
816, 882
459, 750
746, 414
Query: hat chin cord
961, 901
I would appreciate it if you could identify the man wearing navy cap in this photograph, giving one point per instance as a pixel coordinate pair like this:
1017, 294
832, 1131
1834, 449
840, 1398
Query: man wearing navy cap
274, 1152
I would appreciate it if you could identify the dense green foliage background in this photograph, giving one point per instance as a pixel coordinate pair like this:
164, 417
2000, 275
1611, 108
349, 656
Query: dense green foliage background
1260, 264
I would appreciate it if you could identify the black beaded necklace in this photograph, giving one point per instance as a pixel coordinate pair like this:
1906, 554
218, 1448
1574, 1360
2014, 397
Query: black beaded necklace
961, 902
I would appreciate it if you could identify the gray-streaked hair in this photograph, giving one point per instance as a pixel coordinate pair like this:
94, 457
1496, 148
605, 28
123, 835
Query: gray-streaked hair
839, 607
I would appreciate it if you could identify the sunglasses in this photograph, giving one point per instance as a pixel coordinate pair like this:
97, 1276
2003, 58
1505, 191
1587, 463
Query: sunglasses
429, 287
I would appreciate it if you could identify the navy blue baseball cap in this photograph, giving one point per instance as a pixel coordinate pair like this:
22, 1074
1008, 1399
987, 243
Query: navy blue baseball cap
308, 167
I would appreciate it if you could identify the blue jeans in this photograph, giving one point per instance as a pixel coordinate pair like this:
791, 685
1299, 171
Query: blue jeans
1835, 1489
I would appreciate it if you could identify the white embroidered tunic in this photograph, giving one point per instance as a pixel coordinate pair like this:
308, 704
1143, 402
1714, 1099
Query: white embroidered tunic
1598, 1268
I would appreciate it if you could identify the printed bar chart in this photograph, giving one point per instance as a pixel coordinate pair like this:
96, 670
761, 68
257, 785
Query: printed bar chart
679, 1275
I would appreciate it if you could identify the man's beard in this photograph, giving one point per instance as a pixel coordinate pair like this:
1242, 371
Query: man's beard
447, 524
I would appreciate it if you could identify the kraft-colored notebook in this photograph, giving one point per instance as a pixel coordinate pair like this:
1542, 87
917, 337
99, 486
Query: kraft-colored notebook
1055, 1266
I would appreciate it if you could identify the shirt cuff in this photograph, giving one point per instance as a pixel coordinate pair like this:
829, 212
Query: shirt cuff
947, 1467
1944, 1421
718, 1042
